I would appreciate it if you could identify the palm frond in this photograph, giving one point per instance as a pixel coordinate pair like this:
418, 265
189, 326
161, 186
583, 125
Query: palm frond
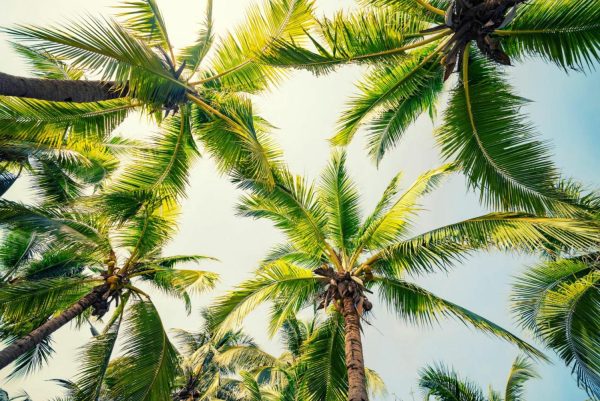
566, 33
418, 305
43, 65
16, 249
444, 384
163, 169
95, 360
380, 34
393, 218
390, 98
144, 20
558, 301
150, 360
339, 195
236, 62
292, 205
297, 285
229, 130
26, 300
504, 231
193, 55
324, 356
495, 144
32, 360
520, 372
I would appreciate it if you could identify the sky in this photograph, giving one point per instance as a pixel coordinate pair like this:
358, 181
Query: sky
305, 108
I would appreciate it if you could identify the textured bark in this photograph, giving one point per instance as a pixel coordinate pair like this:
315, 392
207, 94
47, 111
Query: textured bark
59, 90
28, 342
357, 384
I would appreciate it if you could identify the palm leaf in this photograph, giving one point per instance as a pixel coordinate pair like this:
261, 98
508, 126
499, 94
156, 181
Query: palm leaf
236, 60
566, 33
505, 231
415, 304
297, 285
445, 385
391, 98
520, 372
339, 196
323, 354
150, 360
495, 144
559, 302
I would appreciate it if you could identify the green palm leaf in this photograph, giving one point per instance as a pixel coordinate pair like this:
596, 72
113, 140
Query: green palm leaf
144, 19
520, 372
445, 385
150, 360
414, 303
298, 285
339, 196
559, 302
164, 168
505, 231
496, 145
236, 60
323, 354
566, 33
391, 98
25, 300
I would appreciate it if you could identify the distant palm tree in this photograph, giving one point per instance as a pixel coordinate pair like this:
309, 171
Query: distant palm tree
335, 257
205, 87
559, 301
231, 367
412, 46
442, 384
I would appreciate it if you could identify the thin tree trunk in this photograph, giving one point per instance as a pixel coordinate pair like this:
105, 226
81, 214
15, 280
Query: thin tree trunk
35, 337
59, 90
355, 363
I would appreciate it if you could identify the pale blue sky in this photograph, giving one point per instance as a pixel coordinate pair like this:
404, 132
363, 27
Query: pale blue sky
305, 108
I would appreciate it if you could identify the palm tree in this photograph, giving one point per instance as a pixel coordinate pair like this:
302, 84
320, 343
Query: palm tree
559, 301
336, 258
442, 384
210, 363
231, 367
96, 247
205, 91
412, 46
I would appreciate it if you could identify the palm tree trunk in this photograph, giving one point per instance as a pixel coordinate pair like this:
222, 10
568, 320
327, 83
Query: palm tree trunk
58, 90
28, 342
355, 363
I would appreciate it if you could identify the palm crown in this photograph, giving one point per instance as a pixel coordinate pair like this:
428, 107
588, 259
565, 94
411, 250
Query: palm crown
443, 384
411, 46
202, 86
334, 257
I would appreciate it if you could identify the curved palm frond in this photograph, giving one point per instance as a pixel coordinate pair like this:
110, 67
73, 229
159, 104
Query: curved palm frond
520, 372
150, 360
566, 33
270, 284
505, 231
495, 145
443, 384
416, 304
391, 98
340, 198
559, 302
236, 62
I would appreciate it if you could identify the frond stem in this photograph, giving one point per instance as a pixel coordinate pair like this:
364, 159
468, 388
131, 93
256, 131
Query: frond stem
431, 8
